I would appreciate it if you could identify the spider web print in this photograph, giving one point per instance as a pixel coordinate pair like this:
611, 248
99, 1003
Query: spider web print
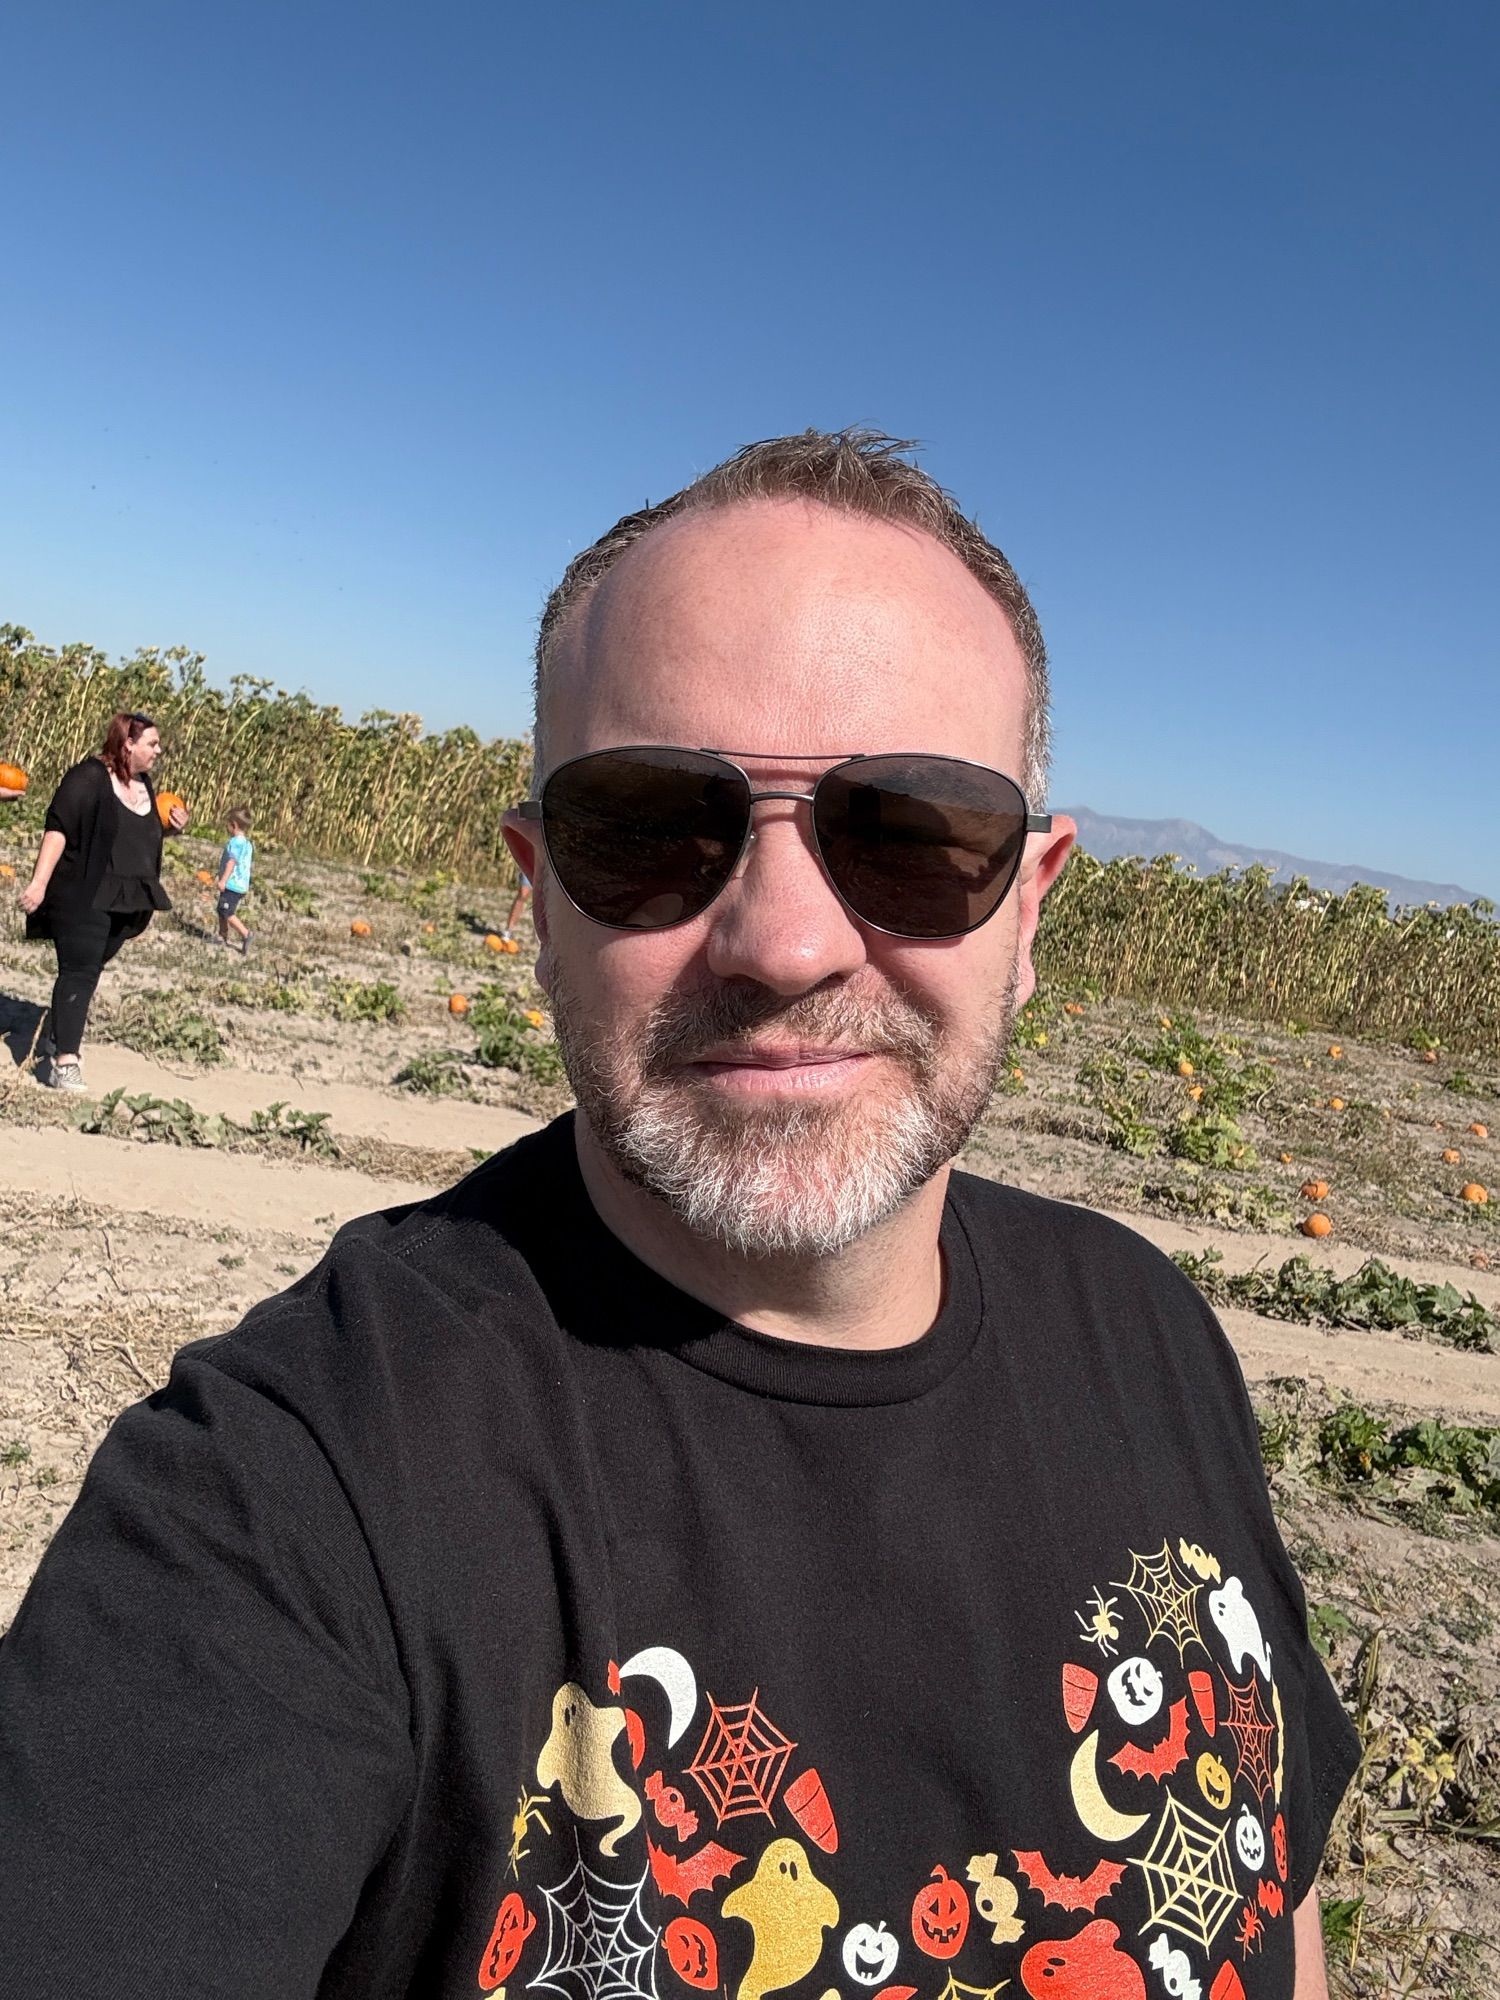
600, 1945
741, 1760
956, 1990
1188, 1878
1168, 1601
1252, 1730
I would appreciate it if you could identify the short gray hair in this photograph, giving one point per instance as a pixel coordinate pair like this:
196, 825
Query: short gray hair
855, 472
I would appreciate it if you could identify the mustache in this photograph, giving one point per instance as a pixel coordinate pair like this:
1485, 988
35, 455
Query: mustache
684, 1025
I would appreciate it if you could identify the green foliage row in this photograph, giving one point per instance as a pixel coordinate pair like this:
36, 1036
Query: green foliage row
1373, 1296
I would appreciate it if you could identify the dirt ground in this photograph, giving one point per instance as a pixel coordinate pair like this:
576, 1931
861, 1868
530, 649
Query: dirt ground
114, 1254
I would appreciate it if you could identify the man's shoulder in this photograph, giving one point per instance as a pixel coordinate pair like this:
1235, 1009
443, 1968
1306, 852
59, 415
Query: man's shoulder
1077, 1254
410, 1289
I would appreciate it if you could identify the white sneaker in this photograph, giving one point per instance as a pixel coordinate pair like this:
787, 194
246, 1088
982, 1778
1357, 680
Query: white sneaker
65, 1075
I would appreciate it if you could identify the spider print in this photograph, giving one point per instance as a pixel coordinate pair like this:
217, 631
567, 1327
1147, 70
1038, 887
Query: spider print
1100, 1628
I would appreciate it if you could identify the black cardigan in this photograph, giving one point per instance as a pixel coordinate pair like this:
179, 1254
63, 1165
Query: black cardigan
82, 811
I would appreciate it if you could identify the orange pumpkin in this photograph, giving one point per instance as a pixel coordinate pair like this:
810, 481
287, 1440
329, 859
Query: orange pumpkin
1315, 1190
1184, 1066
493, 941
940, 1915
1316, 1225
166, 804
512, 946
206, 877
13, 778
1475, 1193
1480, 1131
1335, 1052
1072, 1007
458, 1003
1451, 1156
359, 928
7, 873
1429, 1055
1335, 1104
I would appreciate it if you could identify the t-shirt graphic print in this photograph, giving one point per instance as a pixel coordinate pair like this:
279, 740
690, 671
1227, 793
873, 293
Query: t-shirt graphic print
678, 1837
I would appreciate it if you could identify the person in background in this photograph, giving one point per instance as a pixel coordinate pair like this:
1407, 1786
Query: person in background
522, 898
234, 876
97, 879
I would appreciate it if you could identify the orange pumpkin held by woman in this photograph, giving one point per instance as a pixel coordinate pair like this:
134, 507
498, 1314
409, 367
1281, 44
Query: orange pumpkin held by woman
166, 804
13, 778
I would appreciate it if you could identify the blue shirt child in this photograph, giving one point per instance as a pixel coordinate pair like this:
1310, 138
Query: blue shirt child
239, 852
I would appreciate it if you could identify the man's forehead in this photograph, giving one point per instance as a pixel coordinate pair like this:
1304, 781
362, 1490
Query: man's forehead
789, 625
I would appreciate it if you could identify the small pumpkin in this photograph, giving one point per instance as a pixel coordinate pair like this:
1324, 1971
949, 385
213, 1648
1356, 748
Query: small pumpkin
1336, 1051
1316, 1225
166, 804
510, 945
206, 877
359, 928
1474, 1193
458, 1003
1480, 1131
1429, 1055
493, 941
1072, 1007
535, 1016
13, 778
940, 1915
1452, 1157
1195, 1091
1336, 1104
1185, 1067
7, 873
1315, 1190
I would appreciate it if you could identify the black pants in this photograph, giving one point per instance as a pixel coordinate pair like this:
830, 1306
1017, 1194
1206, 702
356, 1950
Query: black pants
85, 942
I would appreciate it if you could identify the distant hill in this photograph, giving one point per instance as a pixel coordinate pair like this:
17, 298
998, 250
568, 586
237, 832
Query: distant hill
1106, 838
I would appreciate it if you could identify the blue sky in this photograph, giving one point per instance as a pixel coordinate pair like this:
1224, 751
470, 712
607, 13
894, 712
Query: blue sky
332, 330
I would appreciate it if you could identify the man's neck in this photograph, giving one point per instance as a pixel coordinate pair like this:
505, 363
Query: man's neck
885, 1290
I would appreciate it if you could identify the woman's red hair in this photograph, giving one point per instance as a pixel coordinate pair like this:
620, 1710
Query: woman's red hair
124, 729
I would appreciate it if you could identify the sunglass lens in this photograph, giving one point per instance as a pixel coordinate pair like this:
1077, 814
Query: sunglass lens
644, 838
923, 847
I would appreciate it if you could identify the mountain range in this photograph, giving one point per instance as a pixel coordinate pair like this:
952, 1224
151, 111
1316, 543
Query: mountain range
1106, 838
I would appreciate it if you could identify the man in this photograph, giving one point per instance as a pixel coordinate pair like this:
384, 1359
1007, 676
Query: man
715, 1548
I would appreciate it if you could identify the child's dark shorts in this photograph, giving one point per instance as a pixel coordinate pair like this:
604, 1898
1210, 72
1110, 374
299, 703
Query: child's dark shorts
229, 901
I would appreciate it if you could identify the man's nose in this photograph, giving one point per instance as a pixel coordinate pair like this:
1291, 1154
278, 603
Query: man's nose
779, 921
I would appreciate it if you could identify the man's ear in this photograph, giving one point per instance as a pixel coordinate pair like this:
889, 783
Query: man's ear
530, 856
1045, 855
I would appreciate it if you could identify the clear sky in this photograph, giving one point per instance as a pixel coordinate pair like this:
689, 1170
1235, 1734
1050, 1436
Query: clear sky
330, 331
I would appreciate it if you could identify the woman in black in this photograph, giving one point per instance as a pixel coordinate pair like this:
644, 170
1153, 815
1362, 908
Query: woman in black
97, 880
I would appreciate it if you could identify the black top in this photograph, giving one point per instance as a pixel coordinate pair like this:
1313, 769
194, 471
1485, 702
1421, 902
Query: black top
83, 810
486, 1610
131, 876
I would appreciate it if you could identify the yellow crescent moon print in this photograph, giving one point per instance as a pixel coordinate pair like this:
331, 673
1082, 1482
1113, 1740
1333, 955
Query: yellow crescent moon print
1099, 1817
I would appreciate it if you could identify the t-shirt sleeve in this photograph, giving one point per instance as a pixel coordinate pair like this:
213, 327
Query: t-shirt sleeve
206, 1744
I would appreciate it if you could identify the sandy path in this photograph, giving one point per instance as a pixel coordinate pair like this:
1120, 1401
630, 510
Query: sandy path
193, 1185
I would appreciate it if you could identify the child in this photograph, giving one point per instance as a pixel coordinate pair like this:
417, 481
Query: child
234, 876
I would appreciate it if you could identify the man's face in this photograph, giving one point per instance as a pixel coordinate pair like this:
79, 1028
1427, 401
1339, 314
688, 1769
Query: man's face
780, 1074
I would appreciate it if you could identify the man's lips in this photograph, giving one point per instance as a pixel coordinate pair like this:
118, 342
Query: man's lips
780, 1069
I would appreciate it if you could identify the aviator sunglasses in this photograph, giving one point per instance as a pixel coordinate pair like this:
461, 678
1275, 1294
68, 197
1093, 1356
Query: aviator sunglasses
647, 835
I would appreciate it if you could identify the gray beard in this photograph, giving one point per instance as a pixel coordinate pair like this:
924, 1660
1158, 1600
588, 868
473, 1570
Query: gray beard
782, 1181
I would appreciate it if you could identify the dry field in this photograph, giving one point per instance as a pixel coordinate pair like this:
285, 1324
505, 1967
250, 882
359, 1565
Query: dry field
261, 1102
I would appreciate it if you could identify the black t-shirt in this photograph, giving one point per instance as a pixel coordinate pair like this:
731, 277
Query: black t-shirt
483, 1612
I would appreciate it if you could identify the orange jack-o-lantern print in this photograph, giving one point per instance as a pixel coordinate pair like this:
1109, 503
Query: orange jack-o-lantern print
514, 1923
940, 1915
692, 1951
1278, 1844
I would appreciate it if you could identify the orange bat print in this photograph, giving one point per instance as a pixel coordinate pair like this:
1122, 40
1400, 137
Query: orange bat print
685, 1877
1069, 1892
1162, 1758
